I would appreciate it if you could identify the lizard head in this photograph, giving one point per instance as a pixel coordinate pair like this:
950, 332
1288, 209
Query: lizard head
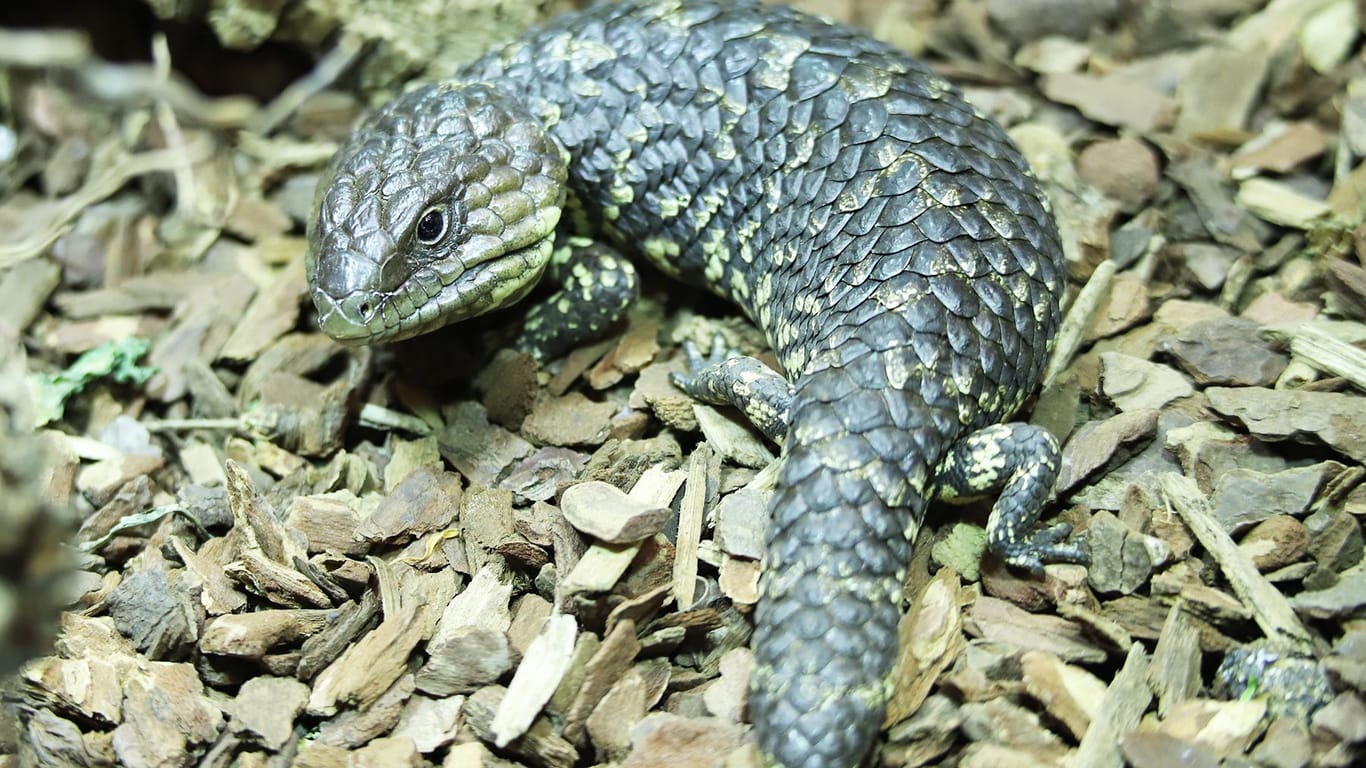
439, 207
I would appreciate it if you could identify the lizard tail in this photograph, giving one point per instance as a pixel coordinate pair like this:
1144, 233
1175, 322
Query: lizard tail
849, 503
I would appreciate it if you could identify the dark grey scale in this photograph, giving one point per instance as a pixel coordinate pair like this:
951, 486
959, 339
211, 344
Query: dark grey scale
907, 275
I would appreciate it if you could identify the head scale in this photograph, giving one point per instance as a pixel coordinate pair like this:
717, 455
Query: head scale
441, 206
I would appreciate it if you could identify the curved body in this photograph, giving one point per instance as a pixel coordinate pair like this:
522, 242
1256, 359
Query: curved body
888, 240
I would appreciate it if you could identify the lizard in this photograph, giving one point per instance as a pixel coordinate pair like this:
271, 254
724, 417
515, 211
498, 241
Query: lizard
888, 239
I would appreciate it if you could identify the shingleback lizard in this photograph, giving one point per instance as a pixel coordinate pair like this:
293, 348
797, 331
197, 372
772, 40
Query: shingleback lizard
888, 240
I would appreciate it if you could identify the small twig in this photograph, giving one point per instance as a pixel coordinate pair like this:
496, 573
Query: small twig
387, 420
329, 68
1268, 606
1315, 345
186, 425
1079, 318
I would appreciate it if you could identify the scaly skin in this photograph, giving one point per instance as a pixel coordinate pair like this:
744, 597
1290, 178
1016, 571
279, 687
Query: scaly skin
888, 240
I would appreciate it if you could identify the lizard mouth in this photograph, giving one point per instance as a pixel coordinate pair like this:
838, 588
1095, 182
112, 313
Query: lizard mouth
368, 317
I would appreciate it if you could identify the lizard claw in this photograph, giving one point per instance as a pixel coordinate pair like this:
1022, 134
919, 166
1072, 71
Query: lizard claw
689, 381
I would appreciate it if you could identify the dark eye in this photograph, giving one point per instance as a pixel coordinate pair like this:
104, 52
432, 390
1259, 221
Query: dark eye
431, 226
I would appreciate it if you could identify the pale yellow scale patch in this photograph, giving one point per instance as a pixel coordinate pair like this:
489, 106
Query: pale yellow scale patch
738, 287
866, 83
663, 253
897, 165
723, 146
714, 247
894, 363
783, 254
807, 303
711, 203
774, 70
670, 207
744, 234
784, 334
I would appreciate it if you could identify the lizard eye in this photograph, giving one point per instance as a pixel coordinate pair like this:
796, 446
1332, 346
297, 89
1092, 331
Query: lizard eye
432, 226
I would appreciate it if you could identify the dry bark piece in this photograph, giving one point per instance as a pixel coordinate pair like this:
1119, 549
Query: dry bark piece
155, 609
1217, 94
1279, 203
276, 583
1119, 712
253, 635
1125, 169
604, 512
930, 640
349, 622
1275, 543
540, 745
1279, 148
569, 420
1225, 728
426, 500
430, 723
1346, 597
663, 739
1096, 444
483, 603
1133, 384
1344, 718
1152, 750
103, 479
1070, 694
166, 714
477, 449
702, 469
1335, 542
1328, 347
369, 667
609, 727
621, 461
1035, 19
1122, 560
1228, 351
1003, 724
547, 658
486, 520
1209, 451
353, 727
670, 404
732, 437
610, 661
1285, 744
994, 619
273, 311
467, 659
1113, 99
1175, 669
739, 579
926, 735
329, 522
264, 709
88, 687
544, 473
508, 384
529, 613
742, 519
602, 565
1337, 420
